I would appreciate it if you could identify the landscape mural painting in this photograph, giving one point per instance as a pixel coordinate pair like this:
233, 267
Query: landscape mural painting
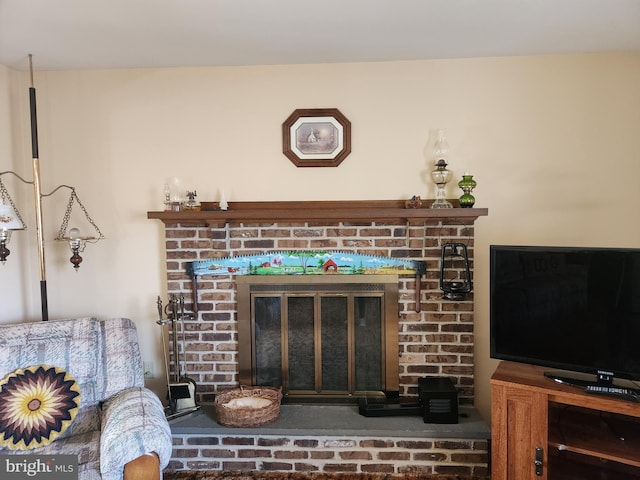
304, 262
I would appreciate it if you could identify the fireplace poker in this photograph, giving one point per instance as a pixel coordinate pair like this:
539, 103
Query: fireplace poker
162, 322
185, 387
180, 392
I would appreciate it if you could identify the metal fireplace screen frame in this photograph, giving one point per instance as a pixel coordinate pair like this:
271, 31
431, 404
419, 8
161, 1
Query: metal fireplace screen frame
292, 299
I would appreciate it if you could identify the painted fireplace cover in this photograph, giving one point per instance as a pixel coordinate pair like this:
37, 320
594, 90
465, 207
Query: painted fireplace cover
304, 262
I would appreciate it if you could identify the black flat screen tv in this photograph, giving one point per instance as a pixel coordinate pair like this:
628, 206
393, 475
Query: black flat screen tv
575, 309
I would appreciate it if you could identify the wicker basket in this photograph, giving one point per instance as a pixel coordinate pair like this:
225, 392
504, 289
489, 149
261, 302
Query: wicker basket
248, 416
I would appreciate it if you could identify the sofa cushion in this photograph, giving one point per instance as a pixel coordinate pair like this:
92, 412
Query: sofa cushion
121, 363
73, 345
37, 404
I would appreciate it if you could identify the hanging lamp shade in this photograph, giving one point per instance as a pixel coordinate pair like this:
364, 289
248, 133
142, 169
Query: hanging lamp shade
9, 220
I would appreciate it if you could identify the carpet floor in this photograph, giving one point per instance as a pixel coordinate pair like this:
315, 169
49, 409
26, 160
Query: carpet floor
222, 475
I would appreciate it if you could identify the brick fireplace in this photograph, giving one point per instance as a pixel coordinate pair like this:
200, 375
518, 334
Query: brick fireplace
435, 338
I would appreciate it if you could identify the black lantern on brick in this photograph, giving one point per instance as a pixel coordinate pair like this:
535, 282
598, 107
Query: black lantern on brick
455, 273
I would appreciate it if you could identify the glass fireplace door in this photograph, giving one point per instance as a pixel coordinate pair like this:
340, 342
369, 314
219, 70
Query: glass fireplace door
328, 338
319, 344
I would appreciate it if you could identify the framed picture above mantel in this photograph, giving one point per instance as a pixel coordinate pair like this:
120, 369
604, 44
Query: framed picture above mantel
316, 137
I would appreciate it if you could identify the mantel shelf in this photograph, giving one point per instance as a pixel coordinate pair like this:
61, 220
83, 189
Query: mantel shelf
317, 211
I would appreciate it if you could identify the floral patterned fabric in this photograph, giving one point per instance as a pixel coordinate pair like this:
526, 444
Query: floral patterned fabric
76, 346
37, 404
104, 358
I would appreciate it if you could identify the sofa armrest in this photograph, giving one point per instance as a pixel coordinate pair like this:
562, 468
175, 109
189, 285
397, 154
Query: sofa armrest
133, 424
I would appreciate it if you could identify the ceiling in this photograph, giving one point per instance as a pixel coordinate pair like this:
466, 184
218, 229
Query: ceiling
99, 34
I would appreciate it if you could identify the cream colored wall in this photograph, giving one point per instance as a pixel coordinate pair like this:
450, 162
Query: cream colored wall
554, 143
15, 294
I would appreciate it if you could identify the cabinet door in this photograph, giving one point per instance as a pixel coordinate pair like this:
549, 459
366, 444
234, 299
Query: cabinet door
518, 431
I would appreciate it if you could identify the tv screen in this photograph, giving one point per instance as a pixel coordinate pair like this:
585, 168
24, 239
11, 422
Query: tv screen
570, 308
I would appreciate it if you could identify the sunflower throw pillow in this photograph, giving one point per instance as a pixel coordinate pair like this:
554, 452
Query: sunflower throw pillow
37, 404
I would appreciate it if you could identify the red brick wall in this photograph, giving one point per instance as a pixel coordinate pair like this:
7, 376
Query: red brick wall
459, 458
437, 341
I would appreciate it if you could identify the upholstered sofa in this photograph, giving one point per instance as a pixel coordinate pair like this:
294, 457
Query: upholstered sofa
115, 421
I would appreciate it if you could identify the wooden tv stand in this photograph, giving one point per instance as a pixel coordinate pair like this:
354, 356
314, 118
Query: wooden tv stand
542, 430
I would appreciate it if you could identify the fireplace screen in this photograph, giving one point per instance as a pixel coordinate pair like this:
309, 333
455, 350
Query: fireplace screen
319, 338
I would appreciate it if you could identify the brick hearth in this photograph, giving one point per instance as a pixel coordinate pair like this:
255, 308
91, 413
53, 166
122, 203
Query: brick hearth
333, 439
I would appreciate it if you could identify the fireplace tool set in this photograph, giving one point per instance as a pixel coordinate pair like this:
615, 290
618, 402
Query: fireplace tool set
180, 388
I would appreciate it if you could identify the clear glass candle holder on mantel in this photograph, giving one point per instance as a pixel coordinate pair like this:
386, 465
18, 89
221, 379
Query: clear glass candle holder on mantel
441, 175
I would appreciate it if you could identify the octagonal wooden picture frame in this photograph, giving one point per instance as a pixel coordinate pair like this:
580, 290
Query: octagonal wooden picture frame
316, 137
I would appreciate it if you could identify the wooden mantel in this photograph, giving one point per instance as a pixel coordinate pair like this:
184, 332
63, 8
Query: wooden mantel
315, 211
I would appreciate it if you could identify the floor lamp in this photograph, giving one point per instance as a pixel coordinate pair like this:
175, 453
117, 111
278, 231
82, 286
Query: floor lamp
10, 218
